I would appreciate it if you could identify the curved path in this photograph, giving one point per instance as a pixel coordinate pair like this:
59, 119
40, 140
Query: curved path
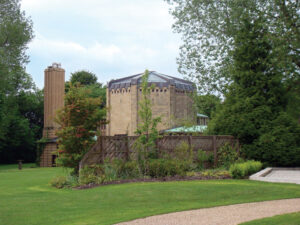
223, 215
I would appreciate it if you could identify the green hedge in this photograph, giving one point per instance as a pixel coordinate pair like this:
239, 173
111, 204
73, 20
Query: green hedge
166, 167
245, 169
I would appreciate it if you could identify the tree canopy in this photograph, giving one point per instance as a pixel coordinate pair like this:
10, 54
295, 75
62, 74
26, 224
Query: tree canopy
15, 34
254, 109
83, 77
88, 80
208, 29
21, 103
207, 104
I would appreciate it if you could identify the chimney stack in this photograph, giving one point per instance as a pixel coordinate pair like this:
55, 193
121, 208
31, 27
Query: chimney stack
54, 91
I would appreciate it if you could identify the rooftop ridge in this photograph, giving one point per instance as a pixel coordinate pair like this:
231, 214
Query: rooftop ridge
154, 77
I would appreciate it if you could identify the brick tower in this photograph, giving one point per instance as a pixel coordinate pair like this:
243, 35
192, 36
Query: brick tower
54, 91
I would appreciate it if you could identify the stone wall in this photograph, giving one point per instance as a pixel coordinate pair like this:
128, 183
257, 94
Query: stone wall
173, 106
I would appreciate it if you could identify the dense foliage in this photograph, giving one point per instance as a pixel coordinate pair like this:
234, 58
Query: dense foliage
244, 169
88, 80
83, 77
78, 120
21, 103
208, 29
207, 104
254, 110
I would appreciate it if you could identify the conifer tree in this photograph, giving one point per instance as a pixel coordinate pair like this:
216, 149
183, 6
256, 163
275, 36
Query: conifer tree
254, 108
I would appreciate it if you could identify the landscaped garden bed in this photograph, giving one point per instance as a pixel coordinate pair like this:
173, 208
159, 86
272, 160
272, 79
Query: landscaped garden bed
205, 175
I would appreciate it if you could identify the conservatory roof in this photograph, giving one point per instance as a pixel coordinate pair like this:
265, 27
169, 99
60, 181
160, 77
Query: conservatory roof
192, 129
159, 79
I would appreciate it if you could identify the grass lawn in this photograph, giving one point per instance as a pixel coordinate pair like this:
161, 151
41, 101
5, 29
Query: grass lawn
26, 198
286, 219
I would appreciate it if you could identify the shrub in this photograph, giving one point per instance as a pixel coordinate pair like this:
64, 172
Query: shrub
166, 167
226, 155
183, 152
91, 175
242, 170
64, 181
128, 169
59, 182
203, 157
110, 171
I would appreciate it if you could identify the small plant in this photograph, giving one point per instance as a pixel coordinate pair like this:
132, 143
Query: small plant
128, 169
245, 169
215, 173
202, 157
110, 172
167, 167
64, 181
183, 152
91, 175
59, 182
226, 155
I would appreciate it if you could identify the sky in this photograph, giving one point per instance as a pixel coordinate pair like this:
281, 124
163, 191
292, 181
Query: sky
111, 38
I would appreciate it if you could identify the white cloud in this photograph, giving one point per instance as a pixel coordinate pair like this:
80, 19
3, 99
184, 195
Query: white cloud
111, 53
109, 37
54, 48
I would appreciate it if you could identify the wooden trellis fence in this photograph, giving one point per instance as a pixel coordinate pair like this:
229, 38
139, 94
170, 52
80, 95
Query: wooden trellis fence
122, 147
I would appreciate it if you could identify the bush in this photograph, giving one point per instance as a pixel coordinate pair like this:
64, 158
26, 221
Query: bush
242, 170
128, 169
58, 182
226, 155
183, 152
166, 167
108, 171
64, 182
91, 175
204, 157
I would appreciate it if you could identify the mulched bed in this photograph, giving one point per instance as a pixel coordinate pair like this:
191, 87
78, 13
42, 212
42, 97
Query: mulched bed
165, 179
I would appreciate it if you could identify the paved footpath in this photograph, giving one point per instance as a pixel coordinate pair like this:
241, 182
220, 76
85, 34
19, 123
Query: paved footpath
223, 215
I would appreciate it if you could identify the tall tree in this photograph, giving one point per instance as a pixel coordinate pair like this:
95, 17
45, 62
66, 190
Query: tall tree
15, 34
208, 29
21, 104
254, 109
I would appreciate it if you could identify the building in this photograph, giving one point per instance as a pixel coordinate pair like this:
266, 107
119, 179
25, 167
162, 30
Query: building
54, 91
202, 119
170, 98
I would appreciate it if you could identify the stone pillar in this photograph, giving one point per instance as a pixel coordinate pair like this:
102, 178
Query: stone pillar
108, 117
134, 109
172, 106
